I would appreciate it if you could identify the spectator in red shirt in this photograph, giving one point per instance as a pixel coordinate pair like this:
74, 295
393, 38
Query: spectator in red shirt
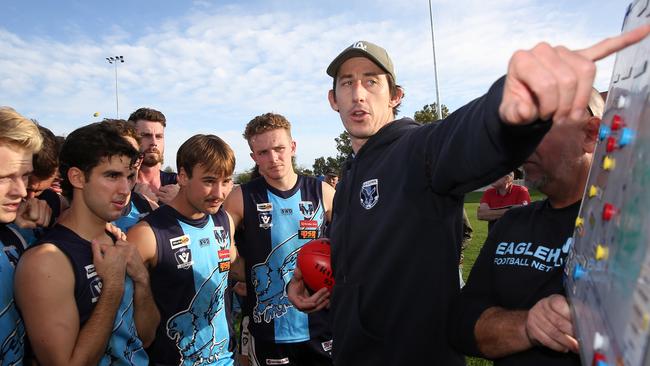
503, 196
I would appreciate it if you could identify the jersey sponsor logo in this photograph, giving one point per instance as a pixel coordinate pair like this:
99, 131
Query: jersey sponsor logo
308, 229
223, 253
270, 280
277, 361
199, 336
286, 211
266, 219
221, 235
183, 258
204, 242
369, 193
306, 209
538, 257
95, 289
90, 271
224, 266
12, 339
265, 207
12, 254
179, 241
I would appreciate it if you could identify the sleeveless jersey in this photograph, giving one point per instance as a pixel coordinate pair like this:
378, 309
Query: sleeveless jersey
188, 283
137, 208
12, 330
276, 225
124, 346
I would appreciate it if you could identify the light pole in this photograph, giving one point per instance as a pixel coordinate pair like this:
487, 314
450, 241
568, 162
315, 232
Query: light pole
114, 61
435, 67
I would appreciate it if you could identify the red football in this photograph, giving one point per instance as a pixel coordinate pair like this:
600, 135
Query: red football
315, 265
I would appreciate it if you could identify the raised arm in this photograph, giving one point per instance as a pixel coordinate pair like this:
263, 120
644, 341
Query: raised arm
44, 286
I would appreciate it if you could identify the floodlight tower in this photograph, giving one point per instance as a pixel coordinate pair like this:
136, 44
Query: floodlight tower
114, 60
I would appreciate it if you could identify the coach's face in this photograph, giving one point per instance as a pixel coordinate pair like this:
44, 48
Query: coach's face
362, 98
14, 172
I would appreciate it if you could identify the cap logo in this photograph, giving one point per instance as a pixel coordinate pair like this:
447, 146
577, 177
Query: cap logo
359, 45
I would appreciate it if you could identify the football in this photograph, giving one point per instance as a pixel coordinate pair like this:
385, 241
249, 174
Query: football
315, 265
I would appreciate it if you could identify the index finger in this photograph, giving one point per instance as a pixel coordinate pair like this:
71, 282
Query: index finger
611, 45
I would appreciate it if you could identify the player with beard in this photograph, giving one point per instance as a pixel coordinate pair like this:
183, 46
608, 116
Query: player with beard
187, 246
158, 185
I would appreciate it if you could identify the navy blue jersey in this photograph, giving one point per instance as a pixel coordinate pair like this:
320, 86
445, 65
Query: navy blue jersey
12, 330
168, 178
188, 283
124, 346
276, 225
137, 208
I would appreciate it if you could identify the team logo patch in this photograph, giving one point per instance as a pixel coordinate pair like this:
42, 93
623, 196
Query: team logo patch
183, 258
90, 271
265, 207
221, 235
266, 219
369, 193
204, 242
306, 208
179, 241
224, 266
95, 289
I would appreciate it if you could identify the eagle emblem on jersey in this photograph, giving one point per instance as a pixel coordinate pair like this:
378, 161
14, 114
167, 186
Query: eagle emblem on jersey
13, 338
221, 236
270, 280
369, 193
195, 329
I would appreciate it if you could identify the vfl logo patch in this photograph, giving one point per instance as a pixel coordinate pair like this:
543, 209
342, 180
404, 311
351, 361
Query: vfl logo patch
179, 241
306, 208
183, 258
90, 271
369, 193
204, 242
221, 235
265, 207
95, 289
266, 219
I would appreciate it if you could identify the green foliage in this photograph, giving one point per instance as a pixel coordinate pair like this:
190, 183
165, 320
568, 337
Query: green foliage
429, 113
168, 169
344, 147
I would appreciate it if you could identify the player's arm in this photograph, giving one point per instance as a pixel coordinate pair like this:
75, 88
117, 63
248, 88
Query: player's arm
142, 254
328, 199
237, 268
234, 205
44, 286
500, 332
484, 212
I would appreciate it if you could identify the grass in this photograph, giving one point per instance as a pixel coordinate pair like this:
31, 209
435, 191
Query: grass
480, 234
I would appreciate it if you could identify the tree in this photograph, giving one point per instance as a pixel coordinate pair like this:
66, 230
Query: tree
168, 169
429, 113
344, 147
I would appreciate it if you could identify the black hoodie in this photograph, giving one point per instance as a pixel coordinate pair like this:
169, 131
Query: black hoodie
397, 228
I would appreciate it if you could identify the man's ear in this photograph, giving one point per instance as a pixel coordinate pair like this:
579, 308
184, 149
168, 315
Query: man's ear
590, 131
397, 99
332, 100
182, 177
76, 177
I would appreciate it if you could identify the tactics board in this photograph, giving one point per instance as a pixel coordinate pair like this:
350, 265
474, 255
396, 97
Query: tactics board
608, 270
